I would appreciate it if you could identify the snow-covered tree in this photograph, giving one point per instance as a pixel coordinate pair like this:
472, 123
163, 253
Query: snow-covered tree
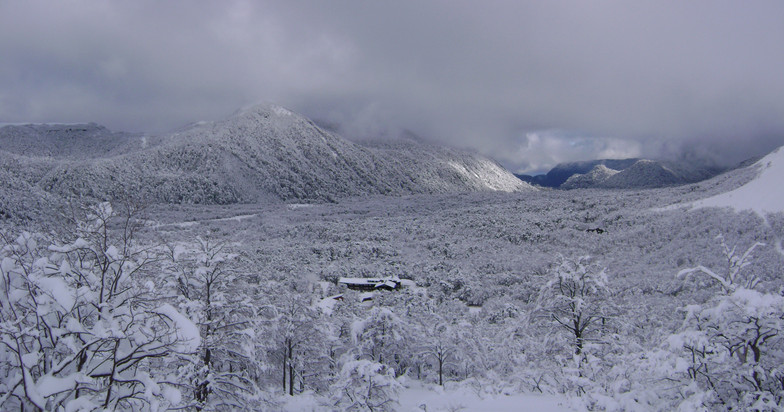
440, 345
733, 276
381, 336
81, 325
211, 292
292, 340
365, 385
577, 299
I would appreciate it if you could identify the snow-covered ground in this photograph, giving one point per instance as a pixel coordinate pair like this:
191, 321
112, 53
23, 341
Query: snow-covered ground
418, 398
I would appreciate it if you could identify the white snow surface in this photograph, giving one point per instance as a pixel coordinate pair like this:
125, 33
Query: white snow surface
59, 290
186, 329
49, 385
764, 194
327, 305
418, 398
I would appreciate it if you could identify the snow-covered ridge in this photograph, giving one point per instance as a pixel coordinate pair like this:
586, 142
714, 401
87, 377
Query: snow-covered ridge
67, 140
643, 173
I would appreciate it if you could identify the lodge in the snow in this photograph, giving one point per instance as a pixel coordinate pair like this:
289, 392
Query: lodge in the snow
371, 284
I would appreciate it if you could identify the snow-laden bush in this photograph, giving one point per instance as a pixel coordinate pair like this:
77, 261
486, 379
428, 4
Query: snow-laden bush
730, 350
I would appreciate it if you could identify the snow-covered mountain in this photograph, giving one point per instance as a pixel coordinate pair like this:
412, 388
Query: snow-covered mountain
600, 173
563, 171
643, 173
262, 152
622, 174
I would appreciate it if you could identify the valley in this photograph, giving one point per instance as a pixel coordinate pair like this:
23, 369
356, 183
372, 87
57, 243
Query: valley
580, 299
405, 206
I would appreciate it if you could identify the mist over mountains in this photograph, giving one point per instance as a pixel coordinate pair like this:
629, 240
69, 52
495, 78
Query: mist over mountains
268, 153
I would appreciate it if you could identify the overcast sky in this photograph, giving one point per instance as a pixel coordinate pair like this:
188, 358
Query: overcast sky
527, 83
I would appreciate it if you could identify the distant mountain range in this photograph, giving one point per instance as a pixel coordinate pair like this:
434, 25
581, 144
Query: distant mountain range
622, 174
261, 153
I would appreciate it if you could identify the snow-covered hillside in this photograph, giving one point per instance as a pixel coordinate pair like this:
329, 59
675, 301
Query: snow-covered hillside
261, 152
763, 194
68, 141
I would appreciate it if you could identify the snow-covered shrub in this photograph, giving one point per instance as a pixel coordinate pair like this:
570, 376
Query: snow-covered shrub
366, 385
731, 349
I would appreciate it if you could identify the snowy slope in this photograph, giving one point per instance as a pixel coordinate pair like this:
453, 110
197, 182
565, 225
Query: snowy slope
445, 165
259, 153
20, 198
763, 194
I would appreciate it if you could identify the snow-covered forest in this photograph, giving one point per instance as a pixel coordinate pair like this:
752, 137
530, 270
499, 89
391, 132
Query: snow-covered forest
121, 305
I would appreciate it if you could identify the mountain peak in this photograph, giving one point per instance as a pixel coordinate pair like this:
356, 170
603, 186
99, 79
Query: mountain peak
265, 109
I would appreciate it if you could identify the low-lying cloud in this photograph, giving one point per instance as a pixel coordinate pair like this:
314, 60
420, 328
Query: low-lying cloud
656, 79
549, 147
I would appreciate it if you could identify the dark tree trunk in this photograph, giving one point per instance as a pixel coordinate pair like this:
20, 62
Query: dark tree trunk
578, 335
284, 370
440, 370
291, 380
291, 367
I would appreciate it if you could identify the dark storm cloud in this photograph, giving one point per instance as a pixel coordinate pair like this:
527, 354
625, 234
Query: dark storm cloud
529, 83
